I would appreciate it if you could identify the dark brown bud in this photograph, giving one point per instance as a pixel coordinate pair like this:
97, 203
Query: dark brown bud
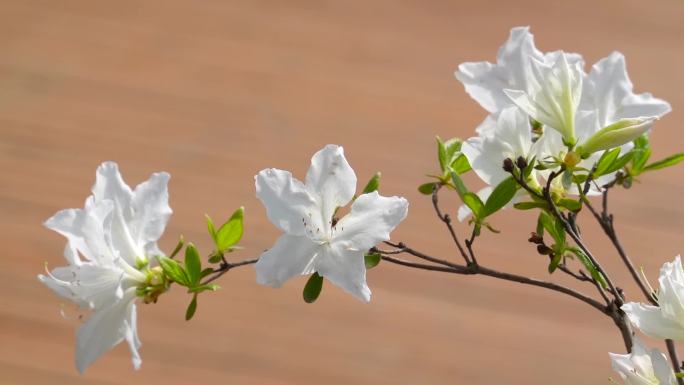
544, 250
508, 165
521, 163
536, 238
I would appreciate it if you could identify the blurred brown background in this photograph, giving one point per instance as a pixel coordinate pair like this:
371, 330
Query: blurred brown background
213, 91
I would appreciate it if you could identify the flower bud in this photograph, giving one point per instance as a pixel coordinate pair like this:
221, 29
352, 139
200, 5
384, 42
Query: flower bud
615, 135
508, 165
536, 238
521, 163
544, 250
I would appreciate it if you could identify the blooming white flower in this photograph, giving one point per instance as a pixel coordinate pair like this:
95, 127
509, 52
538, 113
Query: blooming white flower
642, 366
109, 240
667, 319
553, 95
314, 240
508, 137
485, 82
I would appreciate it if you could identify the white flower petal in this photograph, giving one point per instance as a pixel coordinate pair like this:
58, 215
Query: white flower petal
287, 201
610, 92
650, 320
331, 179
151, 212
291, 256
131, 335
104, 329
370, 221
510, 137
344, 268
485, 81
642, 366
87, 285
85, 230
110, 185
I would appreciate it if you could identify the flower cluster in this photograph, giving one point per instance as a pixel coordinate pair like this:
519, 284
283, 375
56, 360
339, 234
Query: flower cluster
545, 108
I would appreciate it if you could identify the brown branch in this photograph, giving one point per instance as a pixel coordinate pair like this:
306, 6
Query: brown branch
226, 267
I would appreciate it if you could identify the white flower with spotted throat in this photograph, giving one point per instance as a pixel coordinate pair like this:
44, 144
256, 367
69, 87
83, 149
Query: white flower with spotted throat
110, 242
314, 240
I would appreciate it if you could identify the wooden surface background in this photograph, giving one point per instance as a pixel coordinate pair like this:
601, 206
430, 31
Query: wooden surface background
213, 91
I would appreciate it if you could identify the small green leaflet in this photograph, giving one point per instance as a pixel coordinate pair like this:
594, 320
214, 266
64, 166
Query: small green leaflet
313, 288
502, 194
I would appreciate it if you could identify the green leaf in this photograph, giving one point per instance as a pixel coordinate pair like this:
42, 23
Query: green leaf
555, 261
667, 162
313, 288
570, 204
190, 312
474, 203
201, 288
206, 272
372, 260
554, 227
566, 179
174, 270
426, 188
461, 165
530, 205
441, 154
606, 161
502, 194
620, 162
461, 188
215, 258
593, 271
642, 153
193, 265
230, 232
210, 227
178, 247
372, 184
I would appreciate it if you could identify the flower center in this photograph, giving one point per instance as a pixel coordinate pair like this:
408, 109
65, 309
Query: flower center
154, 285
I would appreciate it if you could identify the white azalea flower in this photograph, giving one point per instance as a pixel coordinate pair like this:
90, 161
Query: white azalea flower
667, 319
108, 242
608, 90
642, 366
553, 95
485, 82
314, 241
509, 137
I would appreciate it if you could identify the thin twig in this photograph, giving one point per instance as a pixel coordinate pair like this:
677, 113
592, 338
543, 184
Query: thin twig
447, 221
226, 267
